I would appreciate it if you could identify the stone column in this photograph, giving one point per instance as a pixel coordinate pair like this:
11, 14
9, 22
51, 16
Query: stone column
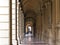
52, 31
57, 22
20, 25
38, 26
43, 28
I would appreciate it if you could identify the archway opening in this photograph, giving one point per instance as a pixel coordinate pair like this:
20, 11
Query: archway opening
29, 30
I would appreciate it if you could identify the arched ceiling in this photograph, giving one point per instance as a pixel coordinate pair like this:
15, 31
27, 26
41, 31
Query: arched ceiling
33, 5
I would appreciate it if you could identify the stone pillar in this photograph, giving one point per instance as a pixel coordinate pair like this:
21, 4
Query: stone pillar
43, 28
52, 31
58, 34
38, 26
57, 22
20, 25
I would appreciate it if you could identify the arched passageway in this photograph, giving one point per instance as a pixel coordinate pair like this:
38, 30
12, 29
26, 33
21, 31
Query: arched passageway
29, 26
39, 19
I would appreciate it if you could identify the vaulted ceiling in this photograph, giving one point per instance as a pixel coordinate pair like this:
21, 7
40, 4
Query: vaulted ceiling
32, 8
31, 5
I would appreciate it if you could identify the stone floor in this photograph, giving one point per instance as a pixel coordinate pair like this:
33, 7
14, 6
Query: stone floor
32, 41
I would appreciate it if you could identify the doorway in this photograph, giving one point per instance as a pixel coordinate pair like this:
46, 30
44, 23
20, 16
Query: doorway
29, 30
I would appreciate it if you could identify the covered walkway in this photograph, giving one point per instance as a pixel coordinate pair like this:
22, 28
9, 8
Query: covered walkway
30, 40
30, 22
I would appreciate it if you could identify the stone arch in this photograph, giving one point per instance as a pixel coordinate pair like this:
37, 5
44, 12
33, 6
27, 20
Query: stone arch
29, 13
30, 16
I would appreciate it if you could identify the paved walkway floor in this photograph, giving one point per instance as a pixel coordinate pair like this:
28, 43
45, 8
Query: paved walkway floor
32, 41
